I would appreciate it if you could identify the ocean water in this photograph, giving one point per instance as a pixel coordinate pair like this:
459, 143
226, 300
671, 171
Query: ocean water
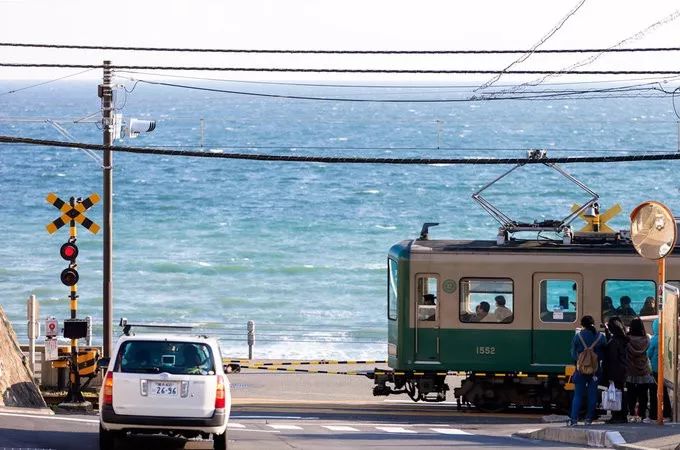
298, 248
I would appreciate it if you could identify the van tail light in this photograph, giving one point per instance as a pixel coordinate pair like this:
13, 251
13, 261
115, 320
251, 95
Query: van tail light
219, 393
108, 388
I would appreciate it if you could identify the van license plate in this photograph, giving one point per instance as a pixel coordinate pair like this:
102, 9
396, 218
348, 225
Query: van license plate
163, 389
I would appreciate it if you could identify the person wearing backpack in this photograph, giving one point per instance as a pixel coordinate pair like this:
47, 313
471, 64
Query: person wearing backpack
587, 350
638, 370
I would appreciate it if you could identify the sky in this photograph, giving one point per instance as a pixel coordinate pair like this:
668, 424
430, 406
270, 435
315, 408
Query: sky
332, 24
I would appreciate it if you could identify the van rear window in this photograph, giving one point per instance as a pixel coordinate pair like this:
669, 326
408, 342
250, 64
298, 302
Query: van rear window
184, 358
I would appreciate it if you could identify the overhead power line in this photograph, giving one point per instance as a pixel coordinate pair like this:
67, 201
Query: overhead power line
319, 70
629, 91
344, 160
636, 36
372, 86
42, 83
340, 52
534, 48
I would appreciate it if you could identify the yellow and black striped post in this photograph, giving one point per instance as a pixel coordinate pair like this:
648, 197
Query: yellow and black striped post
74, 394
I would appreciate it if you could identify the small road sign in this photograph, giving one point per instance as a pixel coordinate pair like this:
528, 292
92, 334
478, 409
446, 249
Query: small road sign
70, 213
51, 327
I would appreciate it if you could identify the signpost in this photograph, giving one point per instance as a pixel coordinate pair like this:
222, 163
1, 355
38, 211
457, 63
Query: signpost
72, 211
670, 347
653, 232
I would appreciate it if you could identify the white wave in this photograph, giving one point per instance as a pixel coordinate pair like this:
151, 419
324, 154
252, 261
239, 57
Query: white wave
371, 191
386, 227
306, 350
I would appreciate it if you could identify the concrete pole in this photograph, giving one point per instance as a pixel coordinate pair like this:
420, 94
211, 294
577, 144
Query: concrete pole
32, 330
106, 94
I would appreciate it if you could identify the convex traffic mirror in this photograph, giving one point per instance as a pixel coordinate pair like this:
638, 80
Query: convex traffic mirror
652, 230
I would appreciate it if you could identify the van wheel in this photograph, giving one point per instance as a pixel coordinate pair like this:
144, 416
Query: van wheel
107, 439
220, 441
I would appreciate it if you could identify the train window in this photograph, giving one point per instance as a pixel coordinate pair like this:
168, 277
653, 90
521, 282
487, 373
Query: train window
486, 300
392, 291
558, 300
427, 295
628, 299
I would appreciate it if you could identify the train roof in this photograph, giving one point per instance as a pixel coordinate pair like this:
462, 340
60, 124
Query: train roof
588, 243
529, 245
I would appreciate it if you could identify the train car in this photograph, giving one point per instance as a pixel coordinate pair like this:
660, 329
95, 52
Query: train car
502, 314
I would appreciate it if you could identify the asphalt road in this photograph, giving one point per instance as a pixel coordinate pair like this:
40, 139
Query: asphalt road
278, 410
312, 427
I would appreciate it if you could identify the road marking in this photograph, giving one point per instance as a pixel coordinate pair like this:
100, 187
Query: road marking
252, 430
395, 430
235, 425
449, 431
36, 416
238, 416
285, 427
339, 428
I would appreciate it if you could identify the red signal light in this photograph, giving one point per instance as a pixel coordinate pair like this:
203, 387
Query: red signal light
69, 251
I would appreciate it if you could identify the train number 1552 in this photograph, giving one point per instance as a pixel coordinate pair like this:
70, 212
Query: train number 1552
485, 350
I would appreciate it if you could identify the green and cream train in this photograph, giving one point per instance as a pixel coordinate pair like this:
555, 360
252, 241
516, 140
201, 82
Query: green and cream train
502, 316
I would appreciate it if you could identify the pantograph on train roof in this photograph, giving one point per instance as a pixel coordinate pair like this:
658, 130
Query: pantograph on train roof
589, 208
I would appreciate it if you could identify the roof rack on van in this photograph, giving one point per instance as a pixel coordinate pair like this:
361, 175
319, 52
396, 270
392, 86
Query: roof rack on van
127, 326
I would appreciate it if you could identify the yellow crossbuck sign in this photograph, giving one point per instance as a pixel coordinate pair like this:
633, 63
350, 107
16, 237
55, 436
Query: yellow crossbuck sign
598, 222
70, 213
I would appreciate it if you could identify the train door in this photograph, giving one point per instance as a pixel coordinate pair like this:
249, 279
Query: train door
557, 307
427, 318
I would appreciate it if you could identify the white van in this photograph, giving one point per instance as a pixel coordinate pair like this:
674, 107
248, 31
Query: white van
172, 384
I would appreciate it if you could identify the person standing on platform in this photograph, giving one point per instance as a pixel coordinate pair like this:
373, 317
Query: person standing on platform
653, 354
638, 371
614, 364
587, 350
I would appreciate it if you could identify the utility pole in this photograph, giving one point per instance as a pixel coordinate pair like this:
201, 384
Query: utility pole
106, 94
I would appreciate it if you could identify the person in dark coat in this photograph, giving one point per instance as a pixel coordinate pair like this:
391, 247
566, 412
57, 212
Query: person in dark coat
638, 371
614, 364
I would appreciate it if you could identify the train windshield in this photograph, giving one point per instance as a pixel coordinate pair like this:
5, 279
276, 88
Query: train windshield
392, 292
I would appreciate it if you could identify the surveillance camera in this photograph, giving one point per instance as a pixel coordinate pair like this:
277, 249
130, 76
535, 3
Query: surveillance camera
137, 126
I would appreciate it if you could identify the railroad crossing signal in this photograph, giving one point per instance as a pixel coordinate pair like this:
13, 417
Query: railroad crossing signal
72, 211
598, 222
75, 212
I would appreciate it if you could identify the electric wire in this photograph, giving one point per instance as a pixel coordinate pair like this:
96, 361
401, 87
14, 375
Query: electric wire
346, 70
42, 83
639, 35
525, 96
533, 49
331, 52
373, 86
346, 160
